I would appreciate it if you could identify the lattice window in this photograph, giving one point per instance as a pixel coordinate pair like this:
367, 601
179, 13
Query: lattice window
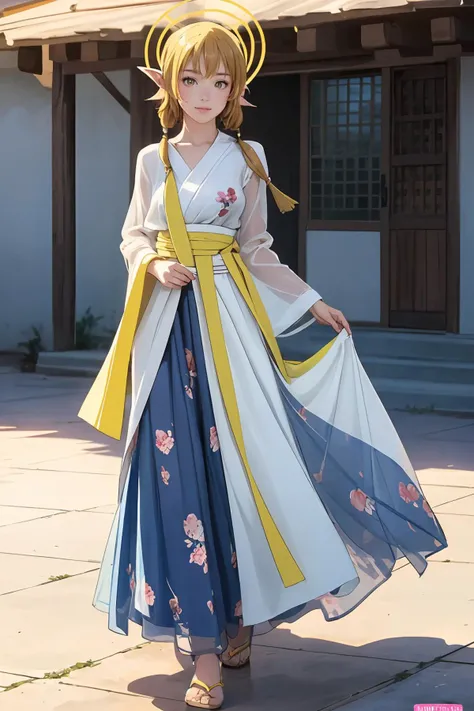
345, 148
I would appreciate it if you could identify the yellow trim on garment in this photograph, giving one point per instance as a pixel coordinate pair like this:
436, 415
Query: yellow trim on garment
104, 405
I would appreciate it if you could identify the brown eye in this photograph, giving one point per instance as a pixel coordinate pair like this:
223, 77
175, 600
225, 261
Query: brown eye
221, 84
189, 81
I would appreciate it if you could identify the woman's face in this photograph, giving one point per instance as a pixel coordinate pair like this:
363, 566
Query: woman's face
200, 98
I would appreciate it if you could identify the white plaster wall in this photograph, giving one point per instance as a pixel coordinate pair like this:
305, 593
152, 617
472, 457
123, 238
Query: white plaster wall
466, 142
102, 188
344, 267
25, 208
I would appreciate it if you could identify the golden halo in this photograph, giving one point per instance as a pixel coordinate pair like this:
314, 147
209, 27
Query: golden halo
233, 30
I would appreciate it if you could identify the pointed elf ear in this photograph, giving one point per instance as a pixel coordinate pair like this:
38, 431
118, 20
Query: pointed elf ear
156, 76
243, 101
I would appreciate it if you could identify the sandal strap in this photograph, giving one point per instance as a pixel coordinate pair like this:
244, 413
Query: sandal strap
197, 682
232, 651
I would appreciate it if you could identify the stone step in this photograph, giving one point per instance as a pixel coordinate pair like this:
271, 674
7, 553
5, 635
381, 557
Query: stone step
413, 369
73, 363
425, 396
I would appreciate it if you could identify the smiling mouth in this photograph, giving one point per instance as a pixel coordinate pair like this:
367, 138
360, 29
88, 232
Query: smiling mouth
202, 108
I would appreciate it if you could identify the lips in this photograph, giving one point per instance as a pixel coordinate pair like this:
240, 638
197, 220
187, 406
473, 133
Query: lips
202, 108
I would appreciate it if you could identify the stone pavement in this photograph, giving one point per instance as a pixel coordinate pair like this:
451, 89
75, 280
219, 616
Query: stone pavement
411, 642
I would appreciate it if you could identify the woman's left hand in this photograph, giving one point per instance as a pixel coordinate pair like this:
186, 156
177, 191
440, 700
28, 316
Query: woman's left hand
327, 316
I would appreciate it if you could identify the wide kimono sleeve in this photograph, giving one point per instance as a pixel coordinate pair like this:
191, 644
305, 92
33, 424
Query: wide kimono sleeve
286, 297
138, 241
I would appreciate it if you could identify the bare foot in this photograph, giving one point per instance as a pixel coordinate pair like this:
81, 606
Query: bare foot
208, 672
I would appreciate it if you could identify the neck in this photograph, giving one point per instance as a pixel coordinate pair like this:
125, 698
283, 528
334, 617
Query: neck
197, 134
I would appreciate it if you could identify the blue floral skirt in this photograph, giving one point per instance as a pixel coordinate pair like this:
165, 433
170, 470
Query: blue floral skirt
175, 562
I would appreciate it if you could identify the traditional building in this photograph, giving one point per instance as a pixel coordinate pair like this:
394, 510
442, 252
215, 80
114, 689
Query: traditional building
364, 111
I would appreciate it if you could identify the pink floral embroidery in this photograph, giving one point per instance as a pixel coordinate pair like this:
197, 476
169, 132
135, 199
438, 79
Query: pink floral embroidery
213, 439
193, 528
149, 595
411, 527
226, 199
164, 441
132, 582
175, 608
409, 493
362, 502
188, 392
191, 363
210, 605
331, 605
233, 559
361, 474
302, 413
437, 543
318, 476
165, 475
238, 609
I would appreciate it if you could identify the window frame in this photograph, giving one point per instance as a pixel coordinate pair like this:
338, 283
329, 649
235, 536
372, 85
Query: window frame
341, 225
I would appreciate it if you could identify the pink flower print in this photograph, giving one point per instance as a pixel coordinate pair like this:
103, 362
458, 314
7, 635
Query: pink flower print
427, 508
164, 441
191, 363
199, 556
409, 493
331, 605
302, 413
210, 605
165, 475
412, 528
318, 476
233, 559
193, 527
226, 199
238, 609
129, 569
213, 439
369, 506
358, 499
175, 608
437, 543
188, 392
149, 595
361, 474
132, 582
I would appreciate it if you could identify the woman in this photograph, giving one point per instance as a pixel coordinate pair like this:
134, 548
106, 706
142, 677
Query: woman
252, 489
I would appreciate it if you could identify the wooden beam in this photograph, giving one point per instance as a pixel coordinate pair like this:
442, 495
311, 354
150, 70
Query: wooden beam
64, 208
30, 60
395, 35
65, 52
103, 51
109, 65
451, 30
145, 127
112, 90
340, 39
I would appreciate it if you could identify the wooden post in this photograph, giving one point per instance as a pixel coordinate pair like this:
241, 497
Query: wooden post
144, 124
64, 208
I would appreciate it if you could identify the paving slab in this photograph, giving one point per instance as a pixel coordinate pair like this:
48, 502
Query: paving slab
110, 509
408, 618
276, 679
91, 462
459, 532
18, 572
465, 655
9, 679
454, 434
61, 696
439, 684
411, 425
51, 627
462, 478
56, 490
73, 535
463, 506
427, 453
18, 514
439, 495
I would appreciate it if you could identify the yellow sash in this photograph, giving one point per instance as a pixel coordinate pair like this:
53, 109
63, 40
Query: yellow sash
105, 403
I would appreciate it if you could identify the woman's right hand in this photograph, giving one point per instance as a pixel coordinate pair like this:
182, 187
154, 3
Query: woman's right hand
170, 273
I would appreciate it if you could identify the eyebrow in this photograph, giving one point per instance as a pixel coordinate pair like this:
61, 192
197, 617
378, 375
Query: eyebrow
217, 74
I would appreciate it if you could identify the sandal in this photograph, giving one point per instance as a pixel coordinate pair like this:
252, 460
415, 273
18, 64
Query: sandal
237, 657
205, 699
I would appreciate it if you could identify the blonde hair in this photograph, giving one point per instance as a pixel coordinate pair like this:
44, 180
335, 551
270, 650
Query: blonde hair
214, 45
